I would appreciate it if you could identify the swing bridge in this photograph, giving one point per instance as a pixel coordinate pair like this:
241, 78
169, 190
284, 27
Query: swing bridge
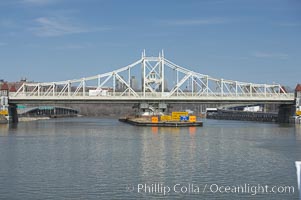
150, 79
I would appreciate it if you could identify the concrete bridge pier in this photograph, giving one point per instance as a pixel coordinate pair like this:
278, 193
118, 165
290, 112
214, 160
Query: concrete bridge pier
285, 112
12, 113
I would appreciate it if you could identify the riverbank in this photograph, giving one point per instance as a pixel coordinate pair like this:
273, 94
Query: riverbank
29, 119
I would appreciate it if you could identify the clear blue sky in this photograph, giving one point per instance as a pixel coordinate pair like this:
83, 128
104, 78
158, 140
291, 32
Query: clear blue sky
244, 40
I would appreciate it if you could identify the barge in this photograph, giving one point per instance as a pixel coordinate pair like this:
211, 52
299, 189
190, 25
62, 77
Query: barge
156, 115
150, 123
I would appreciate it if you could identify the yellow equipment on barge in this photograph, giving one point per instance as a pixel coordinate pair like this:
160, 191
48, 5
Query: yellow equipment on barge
298, 111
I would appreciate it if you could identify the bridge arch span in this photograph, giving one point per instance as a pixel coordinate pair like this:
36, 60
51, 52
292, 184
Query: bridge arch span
152, 78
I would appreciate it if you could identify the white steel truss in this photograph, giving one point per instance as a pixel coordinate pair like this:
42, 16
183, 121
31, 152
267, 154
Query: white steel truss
159, 78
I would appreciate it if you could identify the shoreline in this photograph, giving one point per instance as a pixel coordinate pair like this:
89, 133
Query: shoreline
29, 119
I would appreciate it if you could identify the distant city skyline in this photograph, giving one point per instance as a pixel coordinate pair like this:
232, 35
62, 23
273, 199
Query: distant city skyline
51, 40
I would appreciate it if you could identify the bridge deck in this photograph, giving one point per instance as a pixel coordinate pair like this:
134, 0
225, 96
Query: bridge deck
285, 99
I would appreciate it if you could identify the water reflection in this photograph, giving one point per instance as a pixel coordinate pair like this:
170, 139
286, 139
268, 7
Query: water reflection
91, 158
155, 130
4, 129
192, 131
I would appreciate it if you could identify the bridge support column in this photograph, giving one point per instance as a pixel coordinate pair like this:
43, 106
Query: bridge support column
285, 112
12, 113
153, 108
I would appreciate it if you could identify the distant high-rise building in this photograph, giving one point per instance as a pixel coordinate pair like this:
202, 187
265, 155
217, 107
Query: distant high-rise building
120, 86
134, 83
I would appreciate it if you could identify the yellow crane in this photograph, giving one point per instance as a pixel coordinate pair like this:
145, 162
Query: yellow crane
298, 111
4, 112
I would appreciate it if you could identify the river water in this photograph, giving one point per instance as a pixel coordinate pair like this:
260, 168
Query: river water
93, 158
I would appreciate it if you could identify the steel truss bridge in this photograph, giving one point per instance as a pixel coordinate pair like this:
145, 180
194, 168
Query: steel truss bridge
155, 79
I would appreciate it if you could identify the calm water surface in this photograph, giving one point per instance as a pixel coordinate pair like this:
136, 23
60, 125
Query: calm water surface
92, 158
